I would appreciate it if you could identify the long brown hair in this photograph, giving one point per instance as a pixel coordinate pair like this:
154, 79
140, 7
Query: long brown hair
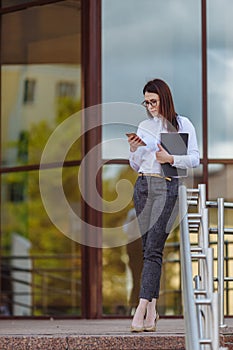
166, 107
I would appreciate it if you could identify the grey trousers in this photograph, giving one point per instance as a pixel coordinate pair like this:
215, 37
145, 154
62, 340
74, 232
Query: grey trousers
156, 205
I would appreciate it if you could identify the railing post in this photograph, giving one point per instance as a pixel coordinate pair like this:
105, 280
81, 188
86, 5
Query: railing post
220, 203
191, 326
202, 197
214, 332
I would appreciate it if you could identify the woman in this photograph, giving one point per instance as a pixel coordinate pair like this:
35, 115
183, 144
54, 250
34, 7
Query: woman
155, 196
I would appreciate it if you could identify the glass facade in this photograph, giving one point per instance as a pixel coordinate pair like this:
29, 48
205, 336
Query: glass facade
144, 40
140, 41
40, 88
58, 58
220, 74
42, 266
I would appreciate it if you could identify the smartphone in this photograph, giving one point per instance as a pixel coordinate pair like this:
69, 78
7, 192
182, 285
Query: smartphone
133, 135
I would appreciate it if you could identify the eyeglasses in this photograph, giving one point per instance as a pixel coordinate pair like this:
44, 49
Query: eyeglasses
153, 103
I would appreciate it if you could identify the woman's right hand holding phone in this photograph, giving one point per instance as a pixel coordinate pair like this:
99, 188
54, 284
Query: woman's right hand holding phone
134, 141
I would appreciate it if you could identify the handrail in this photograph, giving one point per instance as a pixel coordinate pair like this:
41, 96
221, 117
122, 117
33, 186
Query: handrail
220, 230
221, 260
191, 324
211, 204
201, 310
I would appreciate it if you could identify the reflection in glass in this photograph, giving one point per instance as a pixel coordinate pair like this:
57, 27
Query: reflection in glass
40, 88
220, 186
220, 181
122, 265
31, 113
117, 277
41, 78
142, 40
41, 267
220, 78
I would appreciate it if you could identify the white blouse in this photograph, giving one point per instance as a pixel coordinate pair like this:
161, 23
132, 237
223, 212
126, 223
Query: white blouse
144, 158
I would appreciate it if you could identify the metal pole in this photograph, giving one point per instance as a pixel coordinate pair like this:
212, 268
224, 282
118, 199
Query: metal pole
191, 326
202, 197
226, 244
203, 236
214, 332
220, 202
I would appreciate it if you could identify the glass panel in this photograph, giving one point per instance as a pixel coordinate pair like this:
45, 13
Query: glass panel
142, 40
220, 77
117, 261
220, 181
122, 265
41, 78
197, 177
41, 267
41, 87
220, 186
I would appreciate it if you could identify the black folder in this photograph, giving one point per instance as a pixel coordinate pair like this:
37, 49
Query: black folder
176, 144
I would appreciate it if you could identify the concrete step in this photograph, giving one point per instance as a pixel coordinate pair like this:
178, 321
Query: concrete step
111, 334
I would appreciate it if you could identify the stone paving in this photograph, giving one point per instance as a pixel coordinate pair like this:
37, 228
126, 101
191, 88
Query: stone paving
112, 334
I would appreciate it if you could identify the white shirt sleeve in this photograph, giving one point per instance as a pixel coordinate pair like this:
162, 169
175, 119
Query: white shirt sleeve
136, 158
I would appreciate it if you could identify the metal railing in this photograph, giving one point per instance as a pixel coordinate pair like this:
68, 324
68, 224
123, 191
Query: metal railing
175, 293
222, 257
41, 289
45, 283
191, 322
220, 231
201, 311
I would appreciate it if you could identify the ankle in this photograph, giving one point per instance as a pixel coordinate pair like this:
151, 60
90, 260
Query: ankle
139, 314
150, 313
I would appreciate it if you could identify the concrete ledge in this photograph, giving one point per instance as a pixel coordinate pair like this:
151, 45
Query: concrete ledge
34, 342
105, 334
135, 342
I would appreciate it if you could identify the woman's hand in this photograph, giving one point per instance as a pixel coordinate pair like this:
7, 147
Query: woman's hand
163, 156
134, 142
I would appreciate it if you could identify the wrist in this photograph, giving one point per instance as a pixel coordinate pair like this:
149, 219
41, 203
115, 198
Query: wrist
171, 159
133, 149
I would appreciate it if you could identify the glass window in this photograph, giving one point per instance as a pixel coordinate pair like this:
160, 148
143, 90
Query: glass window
119, 263
142, 40
122, 257
29, 90
220, 186
220, 77
41, 78
220, 181
40, 88
66, 89
41, 267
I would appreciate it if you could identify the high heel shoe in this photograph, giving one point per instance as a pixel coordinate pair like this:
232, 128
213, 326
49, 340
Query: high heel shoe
136, 329
153, 327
